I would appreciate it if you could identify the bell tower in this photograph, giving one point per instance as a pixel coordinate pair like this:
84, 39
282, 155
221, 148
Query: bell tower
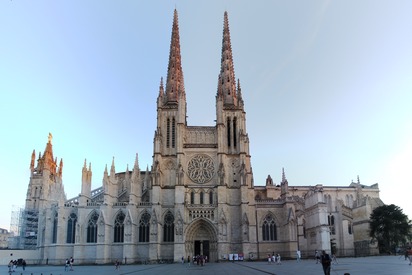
46, 184
171, 101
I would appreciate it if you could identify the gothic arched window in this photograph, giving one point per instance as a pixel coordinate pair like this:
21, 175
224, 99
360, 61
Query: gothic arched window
192, 197
92, 228
173, 132
119, 228
168, 228
331, 222
201, 197
350, 228
168, 133
304, 229
228, 132
144, 228
210, 197
269, 229
55, 221
71, 228
234, 131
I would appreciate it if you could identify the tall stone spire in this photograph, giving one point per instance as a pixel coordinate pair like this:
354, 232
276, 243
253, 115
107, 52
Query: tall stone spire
226, 89
49, 163
174, 83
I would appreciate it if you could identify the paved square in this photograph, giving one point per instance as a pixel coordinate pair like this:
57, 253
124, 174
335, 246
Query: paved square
381, 265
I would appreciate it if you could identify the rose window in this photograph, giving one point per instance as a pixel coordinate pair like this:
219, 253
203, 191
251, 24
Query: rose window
201, 169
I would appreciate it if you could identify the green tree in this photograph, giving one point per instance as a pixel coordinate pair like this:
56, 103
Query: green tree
389, 226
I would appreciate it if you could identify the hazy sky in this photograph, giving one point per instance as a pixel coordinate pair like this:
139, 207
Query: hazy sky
326, 84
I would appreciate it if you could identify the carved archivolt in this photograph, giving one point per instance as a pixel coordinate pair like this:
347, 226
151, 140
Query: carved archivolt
201, 168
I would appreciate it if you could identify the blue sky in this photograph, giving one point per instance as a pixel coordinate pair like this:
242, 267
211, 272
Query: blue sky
327, 87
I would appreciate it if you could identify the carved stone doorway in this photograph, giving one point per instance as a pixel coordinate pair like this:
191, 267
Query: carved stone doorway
201, 239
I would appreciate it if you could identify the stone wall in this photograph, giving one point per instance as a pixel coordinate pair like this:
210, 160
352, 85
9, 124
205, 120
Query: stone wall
31, 256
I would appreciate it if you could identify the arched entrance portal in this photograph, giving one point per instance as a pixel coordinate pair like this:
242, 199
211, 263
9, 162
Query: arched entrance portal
201, 239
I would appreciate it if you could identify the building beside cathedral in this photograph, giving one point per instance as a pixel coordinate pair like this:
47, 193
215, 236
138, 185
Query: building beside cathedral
198, 198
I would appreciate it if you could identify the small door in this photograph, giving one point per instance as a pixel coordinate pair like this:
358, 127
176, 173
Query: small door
206, 249
202, 248
197, 248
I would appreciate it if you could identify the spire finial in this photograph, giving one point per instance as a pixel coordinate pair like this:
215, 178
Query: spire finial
284, 180
61, 167
239, 94
136, 162
112, 168
50, 137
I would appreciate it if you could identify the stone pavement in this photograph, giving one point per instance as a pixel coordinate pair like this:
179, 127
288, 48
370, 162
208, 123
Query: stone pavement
380, 265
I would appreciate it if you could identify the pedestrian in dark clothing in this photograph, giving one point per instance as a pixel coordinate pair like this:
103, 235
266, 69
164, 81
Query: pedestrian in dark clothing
325, 260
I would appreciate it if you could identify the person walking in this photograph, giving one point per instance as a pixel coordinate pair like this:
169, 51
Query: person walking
325, 260
66, 264
334, 259
298, 255
410, 255
71, 263
278, 261
10, 266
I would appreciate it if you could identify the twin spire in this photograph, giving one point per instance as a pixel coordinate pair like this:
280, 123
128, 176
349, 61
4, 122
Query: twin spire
175, 87
227, 89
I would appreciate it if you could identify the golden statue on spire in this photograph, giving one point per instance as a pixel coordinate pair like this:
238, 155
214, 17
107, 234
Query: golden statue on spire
50, 138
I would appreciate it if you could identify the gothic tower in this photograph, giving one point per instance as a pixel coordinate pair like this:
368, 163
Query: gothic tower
235, 170
45, 188
45, 185
167, 192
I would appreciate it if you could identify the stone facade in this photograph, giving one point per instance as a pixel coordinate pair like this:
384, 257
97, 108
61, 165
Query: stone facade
199, 196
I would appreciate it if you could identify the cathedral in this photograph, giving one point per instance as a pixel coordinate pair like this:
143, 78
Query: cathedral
197, 198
